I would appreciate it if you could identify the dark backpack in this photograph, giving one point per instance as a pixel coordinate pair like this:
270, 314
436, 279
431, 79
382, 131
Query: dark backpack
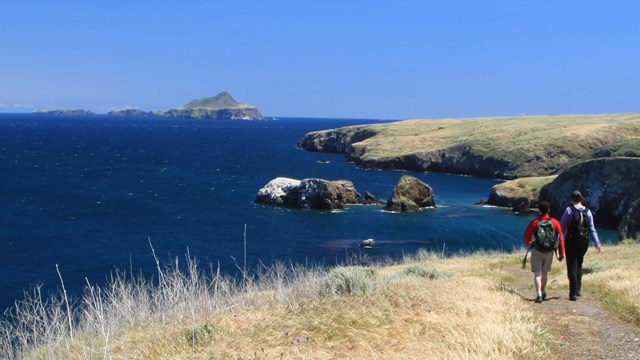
546, 237
579, 227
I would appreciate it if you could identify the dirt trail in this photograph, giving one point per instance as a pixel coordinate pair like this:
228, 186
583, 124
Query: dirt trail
583, 328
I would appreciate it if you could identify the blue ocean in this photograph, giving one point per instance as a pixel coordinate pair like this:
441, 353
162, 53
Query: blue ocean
90, 195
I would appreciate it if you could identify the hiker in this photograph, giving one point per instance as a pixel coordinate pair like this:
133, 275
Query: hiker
577, 220
544, 235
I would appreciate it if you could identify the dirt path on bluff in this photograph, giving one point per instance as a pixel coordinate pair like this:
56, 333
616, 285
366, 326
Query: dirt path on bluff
583, 328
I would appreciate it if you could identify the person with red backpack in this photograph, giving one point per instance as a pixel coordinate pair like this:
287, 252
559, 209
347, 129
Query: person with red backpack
577, 220
544, 235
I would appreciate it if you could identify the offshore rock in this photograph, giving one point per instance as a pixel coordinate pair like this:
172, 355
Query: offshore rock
327, 195
611, 187
410, 194
369, 198
279, 191
309, 193
368, 243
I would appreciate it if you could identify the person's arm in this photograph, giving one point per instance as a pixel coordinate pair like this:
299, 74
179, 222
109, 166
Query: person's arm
565, 221
528, 233
558, 227
593, 232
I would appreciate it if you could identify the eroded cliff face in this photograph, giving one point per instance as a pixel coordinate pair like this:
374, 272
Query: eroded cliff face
455, 160
462, 160
336, 140
611, 187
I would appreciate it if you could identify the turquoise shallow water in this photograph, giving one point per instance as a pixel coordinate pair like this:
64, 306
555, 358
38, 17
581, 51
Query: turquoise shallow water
90, 194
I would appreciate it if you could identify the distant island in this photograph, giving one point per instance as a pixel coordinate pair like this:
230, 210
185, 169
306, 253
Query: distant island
69, 112
221, 106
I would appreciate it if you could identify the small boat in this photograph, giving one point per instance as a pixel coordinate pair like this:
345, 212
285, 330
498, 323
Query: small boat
368, 244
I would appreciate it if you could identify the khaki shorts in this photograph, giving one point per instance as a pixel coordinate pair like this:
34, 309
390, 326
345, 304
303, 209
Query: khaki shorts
541, 261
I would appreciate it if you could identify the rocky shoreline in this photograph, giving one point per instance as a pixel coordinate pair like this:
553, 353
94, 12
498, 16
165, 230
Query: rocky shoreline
545, 157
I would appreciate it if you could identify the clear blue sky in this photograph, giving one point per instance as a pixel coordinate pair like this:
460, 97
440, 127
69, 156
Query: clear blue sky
343, 59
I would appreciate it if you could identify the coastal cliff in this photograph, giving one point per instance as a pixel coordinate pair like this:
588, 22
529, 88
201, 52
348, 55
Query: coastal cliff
611, 187
505, 148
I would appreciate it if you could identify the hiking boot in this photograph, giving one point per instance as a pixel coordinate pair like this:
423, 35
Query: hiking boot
573, 297
538, 299
578, 294
544, 295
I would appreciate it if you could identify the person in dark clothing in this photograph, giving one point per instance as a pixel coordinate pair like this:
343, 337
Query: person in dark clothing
577, 220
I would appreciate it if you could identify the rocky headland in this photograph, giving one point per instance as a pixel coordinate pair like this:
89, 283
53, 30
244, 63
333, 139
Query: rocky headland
587, 152
520, 194
503, 148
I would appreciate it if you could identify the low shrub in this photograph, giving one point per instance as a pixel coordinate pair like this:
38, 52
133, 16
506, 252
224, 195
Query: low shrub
349, 280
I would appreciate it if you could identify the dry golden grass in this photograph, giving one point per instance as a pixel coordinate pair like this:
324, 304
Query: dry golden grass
522, 133
465, 318
467, 311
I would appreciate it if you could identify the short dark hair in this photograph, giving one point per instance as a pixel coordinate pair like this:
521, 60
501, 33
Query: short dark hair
576, 195
544, 207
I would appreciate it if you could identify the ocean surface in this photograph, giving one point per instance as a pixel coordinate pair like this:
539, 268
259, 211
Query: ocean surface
94, 194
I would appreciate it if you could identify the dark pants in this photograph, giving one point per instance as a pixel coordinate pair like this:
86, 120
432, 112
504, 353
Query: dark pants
575, 250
